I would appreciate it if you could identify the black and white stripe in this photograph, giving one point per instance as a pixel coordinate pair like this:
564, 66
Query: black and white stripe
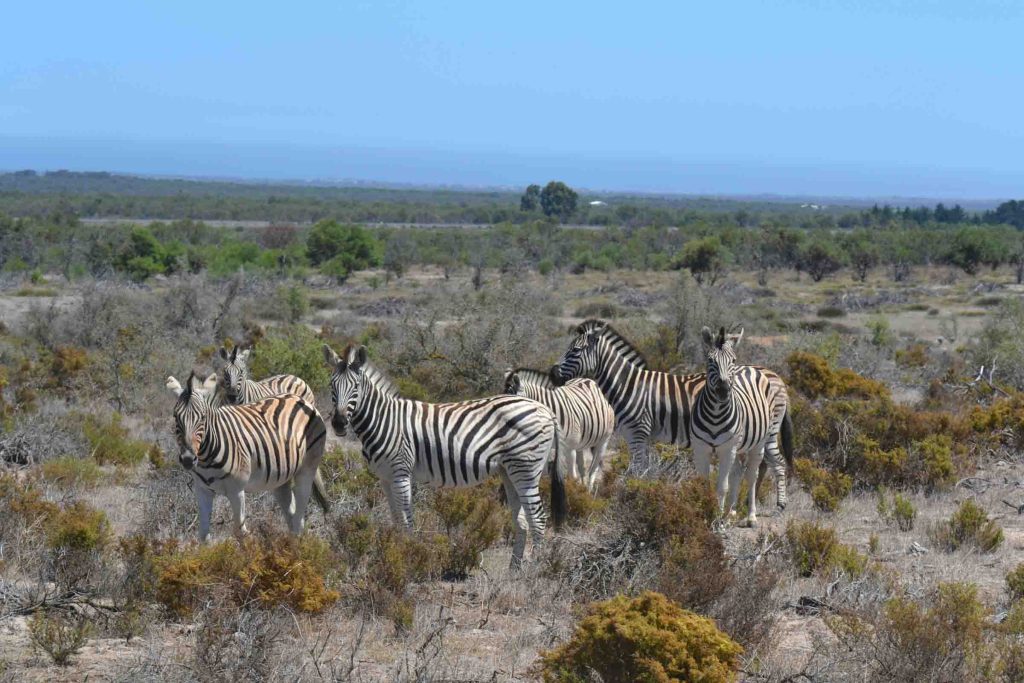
738, 415
649, 405
586, 419
448, 444
239, 389
275, 444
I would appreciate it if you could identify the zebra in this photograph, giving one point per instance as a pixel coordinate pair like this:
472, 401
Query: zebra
268, 445
237, 389
584, 416
739, 411
448, 444
649, 405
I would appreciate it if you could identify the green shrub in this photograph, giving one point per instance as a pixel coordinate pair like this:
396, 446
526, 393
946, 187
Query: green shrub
110, 443
79, 527
58, 634
272, 569
292, 303
813, 376
346, 475
899, 511
827, 489
646, 638
968, 526
292, 350
1015, 582
831, 312
817, 549
72, 472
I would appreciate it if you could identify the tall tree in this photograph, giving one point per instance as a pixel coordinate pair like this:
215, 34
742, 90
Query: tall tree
559, 200
530, 199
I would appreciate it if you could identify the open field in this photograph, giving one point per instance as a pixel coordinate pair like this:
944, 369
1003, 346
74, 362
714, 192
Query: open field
101, 532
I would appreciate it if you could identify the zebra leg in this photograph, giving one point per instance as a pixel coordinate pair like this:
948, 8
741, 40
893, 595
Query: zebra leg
529, 498
204, 497
518, 520
702, 459
639, 454
596, 457
400, 500
286, 501
753, 465
735, 477
303, 490
725, 463
778, 465
580, 456
237, 500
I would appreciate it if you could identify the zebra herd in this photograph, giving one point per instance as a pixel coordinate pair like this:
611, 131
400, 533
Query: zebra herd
236, 435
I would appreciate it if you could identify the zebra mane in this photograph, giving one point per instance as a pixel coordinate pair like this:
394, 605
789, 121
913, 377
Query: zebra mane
380, 381
536, 378
620, 344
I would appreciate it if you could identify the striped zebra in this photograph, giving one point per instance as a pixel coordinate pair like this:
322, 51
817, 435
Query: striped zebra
275, 444
448, 444
649, 405
739, 411
584, 416
238, 389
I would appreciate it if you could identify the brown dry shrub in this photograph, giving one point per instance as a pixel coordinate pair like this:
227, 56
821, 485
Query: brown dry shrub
969, 526
473, 520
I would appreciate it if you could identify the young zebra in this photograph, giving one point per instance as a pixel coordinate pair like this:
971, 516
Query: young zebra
739, 411
584, 416
268, 445
448, 444
649, 405
238, 389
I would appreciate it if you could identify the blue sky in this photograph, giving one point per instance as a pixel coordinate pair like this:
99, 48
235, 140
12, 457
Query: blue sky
866, 97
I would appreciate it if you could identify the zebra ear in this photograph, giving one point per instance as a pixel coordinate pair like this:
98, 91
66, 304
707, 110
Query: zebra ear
734, 339
223, 353
512, 384
357, 358
174, 385
244, 355
234, 353
720, 341
210, 383
707, 337
330, 357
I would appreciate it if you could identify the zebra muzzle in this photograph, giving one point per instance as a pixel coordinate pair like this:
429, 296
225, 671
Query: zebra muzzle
339, 423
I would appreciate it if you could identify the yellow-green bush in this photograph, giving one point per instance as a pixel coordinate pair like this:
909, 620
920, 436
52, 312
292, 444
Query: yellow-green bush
817, 549
827, 489
473, 520
899, 510
1015, 582
110, 442
274, 569
59, 635
968, 526
79, 527
346, 475
72, 472
814, 377
646, 638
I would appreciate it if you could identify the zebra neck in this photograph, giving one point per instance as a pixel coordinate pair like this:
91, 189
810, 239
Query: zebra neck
372, 404
714, 410
617, 379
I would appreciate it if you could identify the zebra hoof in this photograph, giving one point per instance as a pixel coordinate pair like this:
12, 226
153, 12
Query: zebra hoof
782, 506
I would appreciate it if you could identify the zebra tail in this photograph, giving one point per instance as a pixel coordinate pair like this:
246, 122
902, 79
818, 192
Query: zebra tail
320, 493
559, 501
787, 441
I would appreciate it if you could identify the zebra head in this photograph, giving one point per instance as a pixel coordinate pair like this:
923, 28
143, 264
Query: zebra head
190, 413
346, 383
721, 354
580, 359
512, 383
234, 372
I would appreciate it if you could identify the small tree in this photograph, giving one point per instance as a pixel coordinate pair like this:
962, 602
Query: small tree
530, 200
705, 258
341, 249
559, 200
821, 258
863, 253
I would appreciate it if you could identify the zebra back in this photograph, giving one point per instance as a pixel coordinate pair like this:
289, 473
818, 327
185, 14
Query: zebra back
622, 346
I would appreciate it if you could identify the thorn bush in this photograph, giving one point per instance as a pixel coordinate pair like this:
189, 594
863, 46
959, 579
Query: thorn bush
969, 526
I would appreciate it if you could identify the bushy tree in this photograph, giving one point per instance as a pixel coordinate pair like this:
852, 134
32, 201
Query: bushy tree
559, 200
342, 249
973, 247
821, 257
864, 254
530, 200
705, 259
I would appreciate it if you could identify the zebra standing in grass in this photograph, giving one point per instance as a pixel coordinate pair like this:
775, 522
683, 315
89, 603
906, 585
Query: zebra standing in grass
586, 419
268, 445
739, 411
649, 405
448, 444
238, 389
